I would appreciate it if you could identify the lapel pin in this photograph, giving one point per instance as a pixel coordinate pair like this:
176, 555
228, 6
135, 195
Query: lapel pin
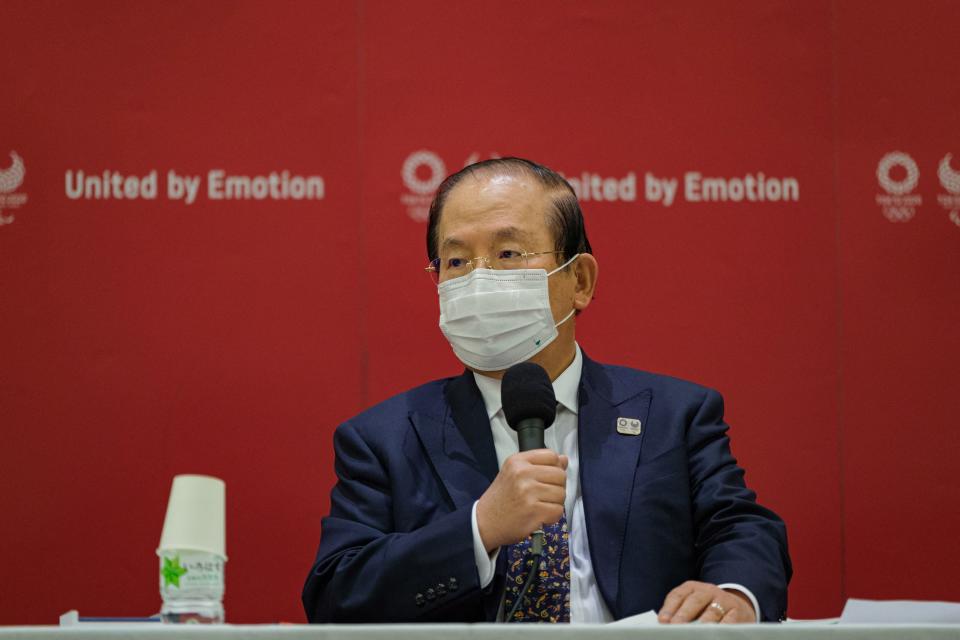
628, 426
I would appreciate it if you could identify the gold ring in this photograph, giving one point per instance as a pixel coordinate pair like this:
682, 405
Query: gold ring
716, 605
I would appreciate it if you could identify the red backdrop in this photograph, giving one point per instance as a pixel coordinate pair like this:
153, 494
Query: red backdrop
140, 338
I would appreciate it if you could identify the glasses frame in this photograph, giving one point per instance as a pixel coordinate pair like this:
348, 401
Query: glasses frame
433, 269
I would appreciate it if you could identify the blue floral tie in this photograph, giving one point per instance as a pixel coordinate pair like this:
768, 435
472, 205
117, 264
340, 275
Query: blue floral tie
548, 599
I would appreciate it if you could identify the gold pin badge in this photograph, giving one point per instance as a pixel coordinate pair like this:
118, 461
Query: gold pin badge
628, 426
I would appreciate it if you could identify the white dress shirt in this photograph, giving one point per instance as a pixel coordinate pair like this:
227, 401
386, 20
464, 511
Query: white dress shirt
586, 603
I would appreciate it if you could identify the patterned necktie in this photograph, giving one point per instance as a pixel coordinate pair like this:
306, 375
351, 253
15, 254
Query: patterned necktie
548, 599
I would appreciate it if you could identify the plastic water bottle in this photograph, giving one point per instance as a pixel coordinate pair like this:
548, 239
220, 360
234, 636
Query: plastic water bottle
191, 584
192, 550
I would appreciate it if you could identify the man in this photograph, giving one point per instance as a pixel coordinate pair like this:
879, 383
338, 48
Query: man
640, 499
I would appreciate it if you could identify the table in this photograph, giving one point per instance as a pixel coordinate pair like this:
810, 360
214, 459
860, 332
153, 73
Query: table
799, 631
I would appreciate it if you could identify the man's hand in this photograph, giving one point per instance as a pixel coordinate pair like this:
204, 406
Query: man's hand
694, 601
527, 493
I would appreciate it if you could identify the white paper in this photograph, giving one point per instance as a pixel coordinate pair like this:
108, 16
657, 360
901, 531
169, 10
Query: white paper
646, 619
899, 611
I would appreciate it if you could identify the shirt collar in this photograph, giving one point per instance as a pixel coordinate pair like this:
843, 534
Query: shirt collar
565, 387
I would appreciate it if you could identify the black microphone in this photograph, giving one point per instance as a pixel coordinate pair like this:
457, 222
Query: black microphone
529, 403
530, 406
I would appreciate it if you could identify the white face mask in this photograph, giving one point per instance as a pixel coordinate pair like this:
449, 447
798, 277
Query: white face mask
495, 319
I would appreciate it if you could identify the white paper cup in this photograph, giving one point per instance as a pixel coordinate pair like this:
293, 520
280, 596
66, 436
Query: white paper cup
195, 515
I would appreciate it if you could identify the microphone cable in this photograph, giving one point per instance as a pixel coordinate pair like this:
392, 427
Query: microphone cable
535, 554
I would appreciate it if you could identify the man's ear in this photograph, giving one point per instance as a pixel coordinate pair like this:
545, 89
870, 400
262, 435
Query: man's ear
585, 270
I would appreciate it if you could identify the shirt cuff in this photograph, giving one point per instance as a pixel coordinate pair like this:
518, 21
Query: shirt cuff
726, 585
487, 562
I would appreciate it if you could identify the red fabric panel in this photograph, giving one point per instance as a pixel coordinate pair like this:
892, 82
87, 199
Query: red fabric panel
140, 338
900, 285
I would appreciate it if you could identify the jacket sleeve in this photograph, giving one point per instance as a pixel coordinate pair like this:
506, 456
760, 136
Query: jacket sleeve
367, 571
737, 540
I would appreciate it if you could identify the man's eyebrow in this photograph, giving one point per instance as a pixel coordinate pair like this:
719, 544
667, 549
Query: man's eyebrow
452, 242
505, 233
511, 233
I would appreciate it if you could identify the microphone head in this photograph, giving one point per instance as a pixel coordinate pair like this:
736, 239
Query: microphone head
526, 392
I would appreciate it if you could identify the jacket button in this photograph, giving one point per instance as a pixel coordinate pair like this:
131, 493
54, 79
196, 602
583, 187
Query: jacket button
419, 600
431, 595
442, 589
453, 584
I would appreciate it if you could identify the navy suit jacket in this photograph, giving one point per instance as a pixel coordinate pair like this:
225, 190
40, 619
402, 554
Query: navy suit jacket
662, 507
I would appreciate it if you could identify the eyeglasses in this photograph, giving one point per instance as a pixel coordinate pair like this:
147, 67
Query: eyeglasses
453, 266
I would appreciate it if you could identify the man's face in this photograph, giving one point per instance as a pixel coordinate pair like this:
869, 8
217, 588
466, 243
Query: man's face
489, 213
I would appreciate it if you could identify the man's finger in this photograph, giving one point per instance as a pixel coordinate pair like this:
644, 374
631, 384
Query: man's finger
673, 601
712, 614
541, 456
549, 475
731, 617
692, 606
551, 493
552, 512
564, 461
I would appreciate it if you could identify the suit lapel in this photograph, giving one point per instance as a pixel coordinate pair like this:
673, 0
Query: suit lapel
458, 441
608, 460
460, 446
